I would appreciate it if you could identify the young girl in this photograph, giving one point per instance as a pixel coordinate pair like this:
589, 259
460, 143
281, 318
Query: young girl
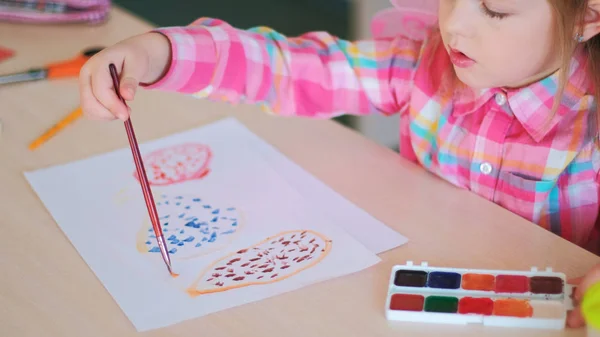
500, 99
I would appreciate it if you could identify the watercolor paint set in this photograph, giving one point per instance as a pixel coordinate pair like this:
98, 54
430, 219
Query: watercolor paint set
528, 299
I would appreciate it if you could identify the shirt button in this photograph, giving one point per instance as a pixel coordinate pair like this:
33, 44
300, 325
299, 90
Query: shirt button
485, 168
500, 99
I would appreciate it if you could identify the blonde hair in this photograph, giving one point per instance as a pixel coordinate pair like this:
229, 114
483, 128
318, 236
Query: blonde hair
568, 14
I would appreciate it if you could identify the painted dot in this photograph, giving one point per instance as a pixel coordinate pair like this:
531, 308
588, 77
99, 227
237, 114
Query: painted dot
215, 219
148, 242
173, 251
172, 237
198, 244
196, 200
192, 224
154, 250
189, 239
234, 224
216, 211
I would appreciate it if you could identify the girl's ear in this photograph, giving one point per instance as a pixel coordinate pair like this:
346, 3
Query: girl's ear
591, 24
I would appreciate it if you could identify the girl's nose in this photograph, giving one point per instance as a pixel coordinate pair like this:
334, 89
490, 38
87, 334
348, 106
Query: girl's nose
461, 15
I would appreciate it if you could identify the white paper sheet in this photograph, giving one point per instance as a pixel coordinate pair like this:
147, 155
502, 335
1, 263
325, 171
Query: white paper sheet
379, 238
99, 205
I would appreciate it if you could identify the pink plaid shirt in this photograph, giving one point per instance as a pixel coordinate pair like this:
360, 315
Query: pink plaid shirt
499, 143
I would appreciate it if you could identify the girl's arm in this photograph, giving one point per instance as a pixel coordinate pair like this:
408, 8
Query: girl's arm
316, 74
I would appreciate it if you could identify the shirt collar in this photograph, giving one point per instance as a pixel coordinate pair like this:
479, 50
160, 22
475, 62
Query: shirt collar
532, 105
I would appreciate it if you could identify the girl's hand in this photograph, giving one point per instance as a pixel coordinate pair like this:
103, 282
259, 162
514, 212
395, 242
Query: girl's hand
140, 59
575, 318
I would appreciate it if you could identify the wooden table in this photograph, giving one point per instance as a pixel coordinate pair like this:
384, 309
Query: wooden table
46, 289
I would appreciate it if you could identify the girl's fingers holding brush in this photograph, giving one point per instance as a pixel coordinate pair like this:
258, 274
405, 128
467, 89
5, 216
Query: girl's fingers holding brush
132, 58
90, 106
104, 92
94, 91
97, 92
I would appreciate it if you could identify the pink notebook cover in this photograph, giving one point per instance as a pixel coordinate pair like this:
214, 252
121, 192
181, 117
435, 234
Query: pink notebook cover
55, 11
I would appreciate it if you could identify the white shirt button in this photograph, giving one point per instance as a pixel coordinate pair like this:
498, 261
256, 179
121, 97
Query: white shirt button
485, 168
500, 98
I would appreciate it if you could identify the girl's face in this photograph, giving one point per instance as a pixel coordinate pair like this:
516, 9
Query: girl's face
499, 43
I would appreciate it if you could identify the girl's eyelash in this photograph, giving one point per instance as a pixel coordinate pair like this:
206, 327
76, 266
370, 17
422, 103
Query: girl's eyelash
491, 13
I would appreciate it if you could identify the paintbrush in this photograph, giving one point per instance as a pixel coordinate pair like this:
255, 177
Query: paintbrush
139, 165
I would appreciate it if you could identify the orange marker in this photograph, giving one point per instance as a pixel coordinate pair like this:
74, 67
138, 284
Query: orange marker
62, 69
70, 118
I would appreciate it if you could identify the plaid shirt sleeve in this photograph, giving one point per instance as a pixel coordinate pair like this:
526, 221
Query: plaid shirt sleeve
315, 74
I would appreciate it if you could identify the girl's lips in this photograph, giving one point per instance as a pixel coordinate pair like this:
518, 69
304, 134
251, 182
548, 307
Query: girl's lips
459, 59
